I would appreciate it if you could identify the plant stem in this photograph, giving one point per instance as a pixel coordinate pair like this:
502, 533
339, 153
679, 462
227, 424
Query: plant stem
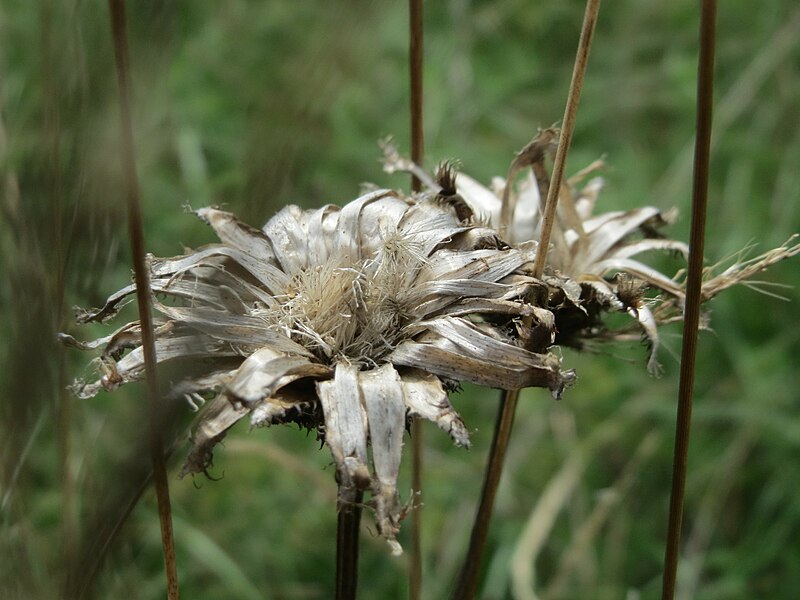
347, 535
694, 282
567, 127
468, 579
415, 61
143, 295
415, 57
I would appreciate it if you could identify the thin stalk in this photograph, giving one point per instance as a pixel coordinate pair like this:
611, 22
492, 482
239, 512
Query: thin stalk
468, 579
694, 282
567, 127
347, 534
415, 57
52, 132
136, 234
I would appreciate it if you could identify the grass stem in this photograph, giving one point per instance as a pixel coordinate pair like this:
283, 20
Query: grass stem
415, 62
143, 295
567, 127
694, 281
468, 579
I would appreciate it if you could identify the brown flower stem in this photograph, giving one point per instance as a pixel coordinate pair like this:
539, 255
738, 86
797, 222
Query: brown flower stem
136, 234
347, 535
694, 281
468, 579
415, 57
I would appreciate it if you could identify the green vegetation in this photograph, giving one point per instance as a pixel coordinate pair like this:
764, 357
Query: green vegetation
257, 105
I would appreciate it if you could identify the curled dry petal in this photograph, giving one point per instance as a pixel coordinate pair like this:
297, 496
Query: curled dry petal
425, 397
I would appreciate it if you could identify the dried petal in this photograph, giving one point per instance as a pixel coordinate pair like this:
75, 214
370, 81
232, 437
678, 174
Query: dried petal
383, 397
346, 426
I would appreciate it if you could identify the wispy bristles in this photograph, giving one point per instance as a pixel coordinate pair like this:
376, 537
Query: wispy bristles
353, 311
743, 268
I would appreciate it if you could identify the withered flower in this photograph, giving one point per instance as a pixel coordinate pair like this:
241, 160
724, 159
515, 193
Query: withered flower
350, 321
597, 255
594, 264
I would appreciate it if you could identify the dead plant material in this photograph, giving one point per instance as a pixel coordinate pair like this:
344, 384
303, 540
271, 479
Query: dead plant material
349, 321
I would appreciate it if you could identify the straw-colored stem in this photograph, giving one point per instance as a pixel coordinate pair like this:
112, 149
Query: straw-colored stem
136, 235
468, 578
567, 127
694, 283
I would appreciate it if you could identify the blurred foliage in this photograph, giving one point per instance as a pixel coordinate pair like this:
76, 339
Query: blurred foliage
258, 104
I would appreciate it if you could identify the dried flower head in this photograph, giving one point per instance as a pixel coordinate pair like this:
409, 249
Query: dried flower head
593, 264
349, 321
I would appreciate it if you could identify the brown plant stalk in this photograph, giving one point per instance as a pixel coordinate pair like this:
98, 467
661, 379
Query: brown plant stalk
694, 284
468, 579
347, 530
143, 292
415, 62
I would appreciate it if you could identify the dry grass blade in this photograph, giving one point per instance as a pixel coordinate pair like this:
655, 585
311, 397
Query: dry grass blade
415, 57
143, 293
580, 547
468, 578
694, 291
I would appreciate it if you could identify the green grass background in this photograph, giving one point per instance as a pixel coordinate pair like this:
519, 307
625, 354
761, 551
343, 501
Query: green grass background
258, 104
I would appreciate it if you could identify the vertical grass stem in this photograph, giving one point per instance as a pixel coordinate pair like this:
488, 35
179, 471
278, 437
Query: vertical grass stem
136, 234
691, 319
567, 127
468, 578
